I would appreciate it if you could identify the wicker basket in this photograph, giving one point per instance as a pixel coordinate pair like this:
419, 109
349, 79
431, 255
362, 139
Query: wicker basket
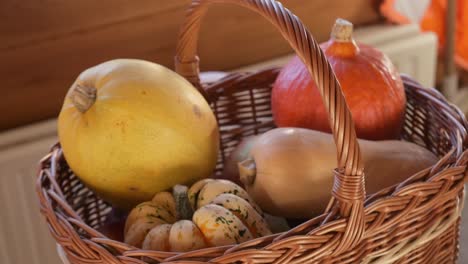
416, 221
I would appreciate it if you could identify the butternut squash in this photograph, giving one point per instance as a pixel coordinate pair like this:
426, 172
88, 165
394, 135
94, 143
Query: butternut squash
289, 171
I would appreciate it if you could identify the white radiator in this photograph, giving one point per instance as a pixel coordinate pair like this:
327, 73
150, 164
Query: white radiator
411, 51
24, 238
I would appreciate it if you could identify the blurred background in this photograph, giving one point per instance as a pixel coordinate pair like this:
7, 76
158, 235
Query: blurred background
44, 45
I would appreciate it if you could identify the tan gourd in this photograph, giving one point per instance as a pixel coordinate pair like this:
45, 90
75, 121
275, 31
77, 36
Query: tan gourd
289, 171
210, 213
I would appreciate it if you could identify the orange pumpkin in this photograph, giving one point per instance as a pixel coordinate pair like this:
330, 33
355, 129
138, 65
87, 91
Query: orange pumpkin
371, 85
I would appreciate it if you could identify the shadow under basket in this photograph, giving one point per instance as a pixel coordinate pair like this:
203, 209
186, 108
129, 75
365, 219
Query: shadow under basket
416, 221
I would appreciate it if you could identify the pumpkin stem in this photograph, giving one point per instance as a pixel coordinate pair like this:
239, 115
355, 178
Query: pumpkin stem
247, 171
83, 97
183, 208
342, 31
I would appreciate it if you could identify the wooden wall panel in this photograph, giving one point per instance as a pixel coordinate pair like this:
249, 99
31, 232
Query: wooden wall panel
45, 44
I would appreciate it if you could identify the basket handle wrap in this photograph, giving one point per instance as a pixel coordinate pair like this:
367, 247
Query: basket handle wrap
348, 190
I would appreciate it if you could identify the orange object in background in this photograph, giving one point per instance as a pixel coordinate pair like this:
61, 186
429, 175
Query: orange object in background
432, 19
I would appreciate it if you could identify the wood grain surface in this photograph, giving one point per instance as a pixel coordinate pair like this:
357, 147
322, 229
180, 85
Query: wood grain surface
45, 44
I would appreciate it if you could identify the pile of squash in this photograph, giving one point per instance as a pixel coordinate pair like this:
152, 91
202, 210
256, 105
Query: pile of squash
146, 141
210, 213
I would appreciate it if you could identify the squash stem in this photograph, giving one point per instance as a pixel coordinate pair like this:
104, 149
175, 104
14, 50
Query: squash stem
247, 171
83, 97
184, 210
342, 31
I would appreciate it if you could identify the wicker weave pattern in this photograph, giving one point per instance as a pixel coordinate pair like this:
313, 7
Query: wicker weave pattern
416, 221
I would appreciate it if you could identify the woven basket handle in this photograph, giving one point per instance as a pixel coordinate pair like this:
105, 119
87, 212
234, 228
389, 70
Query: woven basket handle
348, 188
